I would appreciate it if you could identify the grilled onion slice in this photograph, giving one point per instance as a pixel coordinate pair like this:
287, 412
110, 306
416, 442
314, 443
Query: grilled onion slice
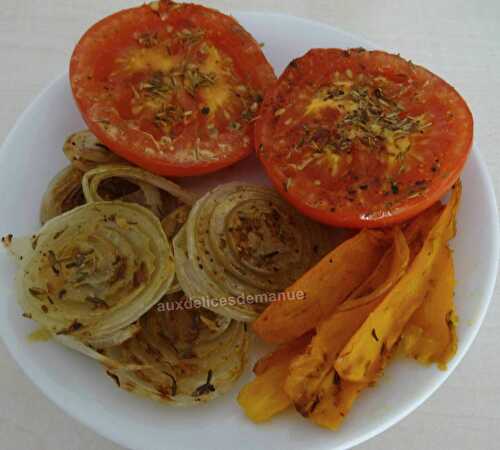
244, 240
150, 187
189, 355
63, 193
92, 272
84, 151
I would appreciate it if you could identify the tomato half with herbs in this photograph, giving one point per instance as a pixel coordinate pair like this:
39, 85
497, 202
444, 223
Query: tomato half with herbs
171, 87
358, 138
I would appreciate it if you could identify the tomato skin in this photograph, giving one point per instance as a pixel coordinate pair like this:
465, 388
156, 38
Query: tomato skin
104, 104
449, 137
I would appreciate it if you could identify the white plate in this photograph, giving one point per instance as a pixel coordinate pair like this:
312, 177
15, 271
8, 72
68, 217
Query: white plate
32, 154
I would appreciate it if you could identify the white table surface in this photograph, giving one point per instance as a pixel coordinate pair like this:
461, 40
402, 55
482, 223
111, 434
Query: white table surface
458, 39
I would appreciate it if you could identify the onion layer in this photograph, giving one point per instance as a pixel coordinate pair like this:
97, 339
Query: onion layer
84, 151
244, 240
150, 187
92, 272
189, 355
174, 221
63, 193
